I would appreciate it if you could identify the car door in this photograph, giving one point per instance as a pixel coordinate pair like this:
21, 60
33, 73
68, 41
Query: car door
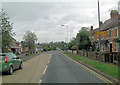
14, 60
17, 61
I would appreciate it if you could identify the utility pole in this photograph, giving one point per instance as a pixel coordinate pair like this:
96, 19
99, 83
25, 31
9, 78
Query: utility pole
99, 29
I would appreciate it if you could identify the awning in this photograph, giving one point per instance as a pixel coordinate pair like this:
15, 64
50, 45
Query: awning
14, 47
116, 39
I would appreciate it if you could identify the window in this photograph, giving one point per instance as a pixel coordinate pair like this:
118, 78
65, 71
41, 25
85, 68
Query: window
107, 34
97, 36
14, 56
119, 46
117, 32
107, 48
110, 33
2, 57
116, 47
102, 47
103, 36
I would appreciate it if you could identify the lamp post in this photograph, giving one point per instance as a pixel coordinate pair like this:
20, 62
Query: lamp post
67, 34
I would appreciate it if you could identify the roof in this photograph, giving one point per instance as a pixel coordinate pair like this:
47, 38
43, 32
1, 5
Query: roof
14, 46
13, 39
109, 24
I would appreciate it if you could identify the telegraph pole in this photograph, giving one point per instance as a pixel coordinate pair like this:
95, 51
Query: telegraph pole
99, 29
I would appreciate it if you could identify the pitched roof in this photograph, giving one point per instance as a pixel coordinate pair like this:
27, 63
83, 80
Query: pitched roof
110, 23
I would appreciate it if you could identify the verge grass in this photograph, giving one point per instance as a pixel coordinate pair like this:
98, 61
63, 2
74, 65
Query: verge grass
111, 70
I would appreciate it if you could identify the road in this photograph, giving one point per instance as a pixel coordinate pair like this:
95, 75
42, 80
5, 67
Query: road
31, 72
51, 67
63, 70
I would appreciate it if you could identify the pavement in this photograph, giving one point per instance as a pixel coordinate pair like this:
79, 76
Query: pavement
32, 70
61, 69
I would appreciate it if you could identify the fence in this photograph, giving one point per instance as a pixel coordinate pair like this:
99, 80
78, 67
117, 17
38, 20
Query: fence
105, 57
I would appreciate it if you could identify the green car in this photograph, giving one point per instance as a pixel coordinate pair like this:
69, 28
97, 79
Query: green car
9, 62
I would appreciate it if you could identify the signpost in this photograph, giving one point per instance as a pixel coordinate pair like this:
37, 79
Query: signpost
100, 32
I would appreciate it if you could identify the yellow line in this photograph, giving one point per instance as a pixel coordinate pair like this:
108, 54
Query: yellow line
93, 72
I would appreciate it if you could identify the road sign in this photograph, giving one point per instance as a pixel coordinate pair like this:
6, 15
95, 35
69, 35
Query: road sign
100, 32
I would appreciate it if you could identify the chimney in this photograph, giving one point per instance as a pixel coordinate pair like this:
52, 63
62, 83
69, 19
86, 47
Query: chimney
91, 28
101, 23
114, 13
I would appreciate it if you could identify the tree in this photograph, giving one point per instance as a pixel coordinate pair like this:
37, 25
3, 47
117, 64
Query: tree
29, 40
23, 44
5, 30
83, 39
74, 48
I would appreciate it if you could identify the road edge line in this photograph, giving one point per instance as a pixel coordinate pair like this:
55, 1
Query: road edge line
92, 72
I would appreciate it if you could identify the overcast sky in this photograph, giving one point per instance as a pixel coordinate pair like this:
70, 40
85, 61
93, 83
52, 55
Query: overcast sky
46, 18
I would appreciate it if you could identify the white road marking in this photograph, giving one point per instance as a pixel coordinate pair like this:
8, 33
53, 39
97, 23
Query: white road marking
45, 70
40, 81
49, 59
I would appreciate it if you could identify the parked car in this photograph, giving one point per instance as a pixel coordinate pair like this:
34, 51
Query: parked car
9, 62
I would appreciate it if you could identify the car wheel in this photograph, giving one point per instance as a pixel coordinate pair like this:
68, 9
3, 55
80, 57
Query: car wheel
21, 66
10, 70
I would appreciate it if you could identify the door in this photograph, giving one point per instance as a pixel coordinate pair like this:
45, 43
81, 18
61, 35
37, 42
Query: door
110, 47
17, 61
119, 46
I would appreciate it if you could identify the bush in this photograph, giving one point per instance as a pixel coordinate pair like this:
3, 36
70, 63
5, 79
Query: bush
74, 47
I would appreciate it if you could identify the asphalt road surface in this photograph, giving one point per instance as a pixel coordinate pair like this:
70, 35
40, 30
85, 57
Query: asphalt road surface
51, 67
63, 70
32, 70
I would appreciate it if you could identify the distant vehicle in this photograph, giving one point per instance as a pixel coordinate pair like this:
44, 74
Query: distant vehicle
9, 62
59, 49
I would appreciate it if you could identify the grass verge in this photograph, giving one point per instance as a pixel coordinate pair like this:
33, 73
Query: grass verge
105, 68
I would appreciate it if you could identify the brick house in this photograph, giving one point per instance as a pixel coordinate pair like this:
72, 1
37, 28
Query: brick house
110, 41
15, 46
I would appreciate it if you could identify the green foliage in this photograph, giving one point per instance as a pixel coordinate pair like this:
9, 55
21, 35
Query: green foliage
83, 39
74, 47
83, 50
45, 48
61, 45
6, 30
105, 68
29, 39
23, 45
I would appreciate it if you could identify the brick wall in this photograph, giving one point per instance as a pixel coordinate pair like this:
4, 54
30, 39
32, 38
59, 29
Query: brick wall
119, 31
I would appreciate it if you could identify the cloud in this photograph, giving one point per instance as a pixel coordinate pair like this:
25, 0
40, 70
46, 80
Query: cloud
46, 18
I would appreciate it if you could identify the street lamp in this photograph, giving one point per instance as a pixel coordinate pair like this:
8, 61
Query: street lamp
67, 34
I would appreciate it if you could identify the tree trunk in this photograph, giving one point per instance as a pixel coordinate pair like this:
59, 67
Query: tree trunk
77, 50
